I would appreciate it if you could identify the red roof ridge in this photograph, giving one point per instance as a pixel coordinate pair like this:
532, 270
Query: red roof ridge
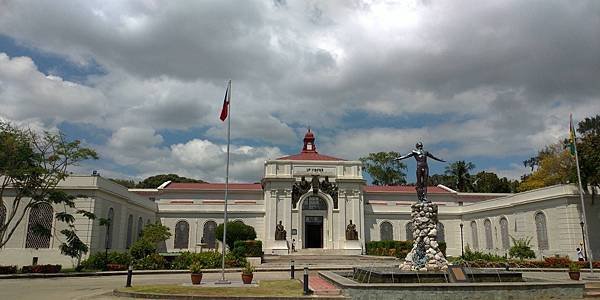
213, 186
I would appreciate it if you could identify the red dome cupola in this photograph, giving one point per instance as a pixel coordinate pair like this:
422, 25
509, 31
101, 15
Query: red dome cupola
309, 143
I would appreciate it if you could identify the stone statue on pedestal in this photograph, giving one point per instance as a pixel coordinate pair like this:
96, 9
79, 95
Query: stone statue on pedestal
351, 233
280, 233
420, 156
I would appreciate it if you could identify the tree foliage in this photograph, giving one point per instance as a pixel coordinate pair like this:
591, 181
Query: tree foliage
488, 182
155, 181
31, 166
156, 233
458, 172
556, 166
521, 248
128, 183
236, 231
384, 168
588, 147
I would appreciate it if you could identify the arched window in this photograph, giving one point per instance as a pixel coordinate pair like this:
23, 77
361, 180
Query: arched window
409, 231
40, 217
208, 234
129, 231
182, 235
542, 231
2, 214
140, 227
474, 237
314, 203
110, 228
504, 233
386, 231
441, 234
489, 242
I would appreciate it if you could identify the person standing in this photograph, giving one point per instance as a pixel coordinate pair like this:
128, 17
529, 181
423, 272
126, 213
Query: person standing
579, 255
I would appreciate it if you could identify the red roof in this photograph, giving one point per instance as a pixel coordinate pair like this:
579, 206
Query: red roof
310, 156
213, 186
402, 189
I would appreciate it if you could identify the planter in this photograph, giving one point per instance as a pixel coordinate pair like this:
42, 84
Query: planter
196, 278
247, 278
574, 275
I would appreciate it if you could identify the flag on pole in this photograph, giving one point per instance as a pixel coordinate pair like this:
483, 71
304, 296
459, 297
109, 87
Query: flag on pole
225, 109
571, 135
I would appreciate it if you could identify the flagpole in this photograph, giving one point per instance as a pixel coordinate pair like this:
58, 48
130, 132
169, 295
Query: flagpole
590, 257
223, 281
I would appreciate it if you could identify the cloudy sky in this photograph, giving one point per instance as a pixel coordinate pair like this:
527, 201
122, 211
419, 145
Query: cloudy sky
143, 81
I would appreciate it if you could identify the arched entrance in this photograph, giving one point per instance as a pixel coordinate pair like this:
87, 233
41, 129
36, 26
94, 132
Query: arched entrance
314, 217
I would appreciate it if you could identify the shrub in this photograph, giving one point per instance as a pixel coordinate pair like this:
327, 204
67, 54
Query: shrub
521, 248
398, 249
232, 260
207, 259
470, 255
41, 269
8, 269
196, 268
236, 231
252, 248
142, 248
574, 267
151, 262
557, 262
97, 261
248, 269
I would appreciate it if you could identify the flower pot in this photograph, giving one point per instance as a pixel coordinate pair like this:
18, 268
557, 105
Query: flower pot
574, 275
196, 278
247, 278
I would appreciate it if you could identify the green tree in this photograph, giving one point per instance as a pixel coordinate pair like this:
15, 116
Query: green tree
488, 182
156, 233
384, 168
588, 148
458, 171
128, 183
442, 179
556, 166
521, 248
236, 231
155, 181
31, 166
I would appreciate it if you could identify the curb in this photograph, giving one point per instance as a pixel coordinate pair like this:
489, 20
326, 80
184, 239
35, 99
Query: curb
158, 272
119, 293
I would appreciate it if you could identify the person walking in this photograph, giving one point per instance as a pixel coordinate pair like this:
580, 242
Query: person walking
580, 255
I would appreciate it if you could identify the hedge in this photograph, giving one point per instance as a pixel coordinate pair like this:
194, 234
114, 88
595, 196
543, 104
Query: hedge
41, 269
8, 269
250, 248
97, 261
398, 249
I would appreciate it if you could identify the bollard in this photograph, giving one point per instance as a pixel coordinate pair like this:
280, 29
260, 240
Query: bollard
306, 290
292, 270
129, 274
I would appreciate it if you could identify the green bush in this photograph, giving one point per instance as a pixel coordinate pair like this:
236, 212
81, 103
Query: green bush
208, 259
236, 231
41, 269
151, 262
252, 248
470, 255
142, 248
8, 269
521, 248
232, 260
398, 249
97, 260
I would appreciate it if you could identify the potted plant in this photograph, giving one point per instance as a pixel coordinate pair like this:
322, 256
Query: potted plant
196, 270
574, 271
247, 273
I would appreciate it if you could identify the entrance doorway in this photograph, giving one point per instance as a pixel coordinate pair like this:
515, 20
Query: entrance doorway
313, 231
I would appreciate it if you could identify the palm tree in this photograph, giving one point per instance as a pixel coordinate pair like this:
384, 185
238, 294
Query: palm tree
459, 172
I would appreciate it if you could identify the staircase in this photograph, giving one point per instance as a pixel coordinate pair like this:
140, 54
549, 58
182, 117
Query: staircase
592, 290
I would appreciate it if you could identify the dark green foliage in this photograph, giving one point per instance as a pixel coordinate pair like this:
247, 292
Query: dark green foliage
398, 249
128, 183
236, 231
208, 259
588, 148
142, 248
97, 260
8, 269
155, 181
251, 248
156, 233
232, 260
151, 262
384, 169
461, 180
521, 248
41, 269
488, 182
73, 246
471, 255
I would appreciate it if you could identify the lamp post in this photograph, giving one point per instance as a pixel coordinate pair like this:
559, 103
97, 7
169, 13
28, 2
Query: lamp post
583, 239
462, 247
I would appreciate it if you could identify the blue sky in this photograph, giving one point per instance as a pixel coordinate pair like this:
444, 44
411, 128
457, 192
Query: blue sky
142, 82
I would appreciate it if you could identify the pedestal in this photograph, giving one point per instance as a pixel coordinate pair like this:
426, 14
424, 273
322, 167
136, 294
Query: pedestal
280, 247
425, 254
352, 247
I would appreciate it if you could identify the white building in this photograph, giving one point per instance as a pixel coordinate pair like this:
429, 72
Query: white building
317, 218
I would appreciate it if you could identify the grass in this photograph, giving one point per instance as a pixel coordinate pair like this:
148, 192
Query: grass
265, 288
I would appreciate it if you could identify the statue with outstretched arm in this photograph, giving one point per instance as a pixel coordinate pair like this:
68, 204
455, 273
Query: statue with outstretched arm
420, 156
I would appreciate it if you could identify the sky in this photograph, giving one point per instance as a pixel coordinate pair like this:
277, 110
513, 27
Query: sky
142, 82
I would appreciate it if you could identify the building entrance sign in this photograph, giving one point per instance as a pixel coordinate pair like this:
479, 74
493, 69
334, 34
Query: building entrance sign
314, 170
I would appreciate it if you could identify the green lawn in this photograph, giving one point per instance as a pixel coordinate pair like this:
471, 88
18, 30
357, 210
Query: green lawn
265, 288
